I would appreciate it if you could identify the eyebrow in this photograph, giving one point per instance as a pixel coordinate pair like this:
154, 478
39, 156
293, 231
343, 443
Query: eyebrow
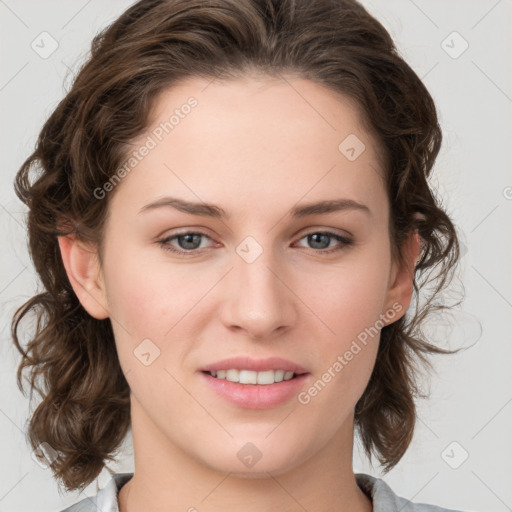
211, 210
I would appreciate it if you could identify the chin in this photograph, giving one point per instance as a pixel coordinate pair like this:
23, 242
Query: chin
268, 460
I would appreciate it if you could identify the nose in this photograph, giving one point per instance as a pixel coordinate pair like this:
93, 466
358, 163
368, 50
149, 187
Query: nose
259, 301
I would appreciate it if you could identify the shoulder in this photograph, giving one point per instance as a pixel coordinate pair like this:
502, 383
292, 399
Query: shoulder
385, 500
106, 498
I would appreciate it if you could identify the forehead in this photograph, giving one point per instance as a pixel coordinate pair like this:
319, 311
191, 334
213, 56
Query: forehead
254, 138
296, 109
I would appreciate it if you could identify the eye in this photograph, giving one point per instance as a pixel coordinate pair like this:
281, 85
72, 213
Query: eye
189, 242
322, 240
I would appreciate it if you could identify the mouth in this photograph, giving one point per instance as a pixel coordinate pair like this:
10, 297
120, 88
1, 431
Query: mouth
265, 377
249, 383
247, 393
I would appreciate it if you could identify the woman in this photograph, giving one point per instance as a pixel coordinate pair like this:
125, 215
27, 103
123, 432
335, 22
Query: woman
230, 218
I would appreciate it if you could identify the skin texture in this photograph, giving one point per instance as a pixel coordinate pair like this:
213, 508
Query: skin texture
256, 147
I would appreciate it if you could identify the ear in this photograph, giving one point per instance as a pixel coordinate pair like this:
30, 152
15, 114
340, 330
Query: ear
84, 273
401, 278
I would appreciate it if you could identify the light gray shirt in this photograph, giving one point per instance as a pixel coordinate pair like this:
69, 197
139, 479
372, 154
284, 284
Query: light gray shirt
383, 498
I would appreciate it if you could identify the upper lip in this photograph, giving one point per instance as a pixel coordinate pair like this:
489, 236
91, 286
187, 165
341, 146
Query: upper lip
258, 365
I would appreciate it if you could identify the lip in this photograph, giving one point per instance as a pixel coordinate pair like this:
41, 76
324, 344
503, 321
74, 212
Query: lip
256, 396
257, 365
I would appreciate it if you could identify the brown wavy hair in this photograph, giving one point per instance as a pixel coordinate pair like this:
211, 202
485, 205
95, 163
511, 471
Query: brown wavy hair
84, 414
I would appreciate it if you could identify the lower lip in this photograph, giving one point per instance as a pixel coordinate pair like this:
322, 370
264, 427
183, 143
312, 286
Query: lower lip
256, 396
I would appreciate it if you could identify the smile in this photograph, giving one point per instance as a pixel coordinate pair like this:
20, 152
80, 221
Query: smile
253, 377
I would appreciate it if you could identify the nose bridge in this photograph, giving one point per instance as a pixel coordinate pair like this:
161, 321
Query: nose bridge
258, 302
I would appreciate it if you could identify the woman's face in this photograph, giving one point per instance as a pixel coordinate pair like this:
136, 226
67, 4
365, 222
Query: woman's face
261, 276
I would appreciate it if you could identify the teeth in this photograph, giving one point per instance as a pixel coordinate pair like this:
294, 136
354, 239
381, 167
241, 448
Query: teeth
252, 377
278, 375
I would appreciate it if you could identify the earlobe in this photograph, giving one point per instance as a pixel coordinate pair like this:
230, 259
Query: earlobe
401, 278
84, 273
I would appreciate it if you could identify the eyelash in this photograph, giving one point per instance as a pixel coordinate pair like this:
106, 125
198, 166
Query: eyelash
164, 243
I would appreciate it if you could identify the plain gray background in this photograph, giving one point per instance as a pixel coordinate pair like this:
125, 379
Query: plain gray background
461, 455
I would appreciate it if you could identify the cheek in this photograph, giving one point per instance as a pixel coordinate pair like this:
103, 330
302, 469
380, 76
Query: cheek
346, 353
155, 308
148, 298
350, 302
133, 302
351, 298
353, 316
